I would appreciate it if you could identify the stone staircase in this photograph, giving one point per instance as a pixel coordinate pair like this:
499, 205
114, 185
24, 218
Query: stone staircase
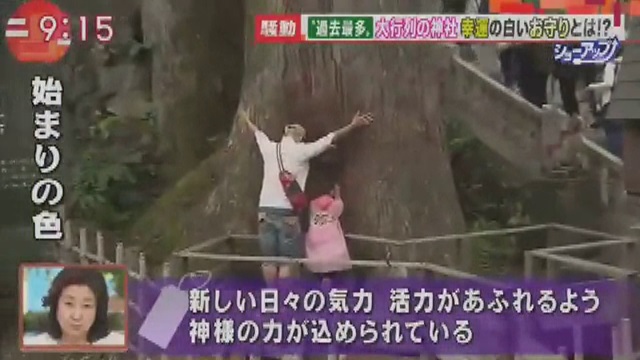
540, 143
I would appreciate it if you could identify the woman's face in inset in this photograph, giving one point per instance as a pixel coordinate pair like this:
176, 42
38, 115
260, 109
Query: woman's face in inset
76, 312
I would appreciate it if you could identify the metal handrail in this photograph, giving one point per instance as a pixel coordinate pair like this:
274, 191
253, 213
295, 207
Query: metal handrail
438, 269
585, 265
436, 238
586, 246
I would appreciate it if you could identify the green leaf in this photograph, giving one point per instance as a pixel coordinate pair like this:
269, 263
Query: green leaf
106, 125
133, 158
112, 170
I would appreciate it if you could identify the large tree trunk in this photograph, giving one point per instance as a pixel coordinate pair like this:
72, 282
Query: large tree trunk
196, 73
396, 177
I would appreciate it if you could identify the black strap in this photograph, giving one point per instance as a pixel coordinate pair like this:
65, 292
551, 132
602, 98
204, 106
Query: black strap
279, 157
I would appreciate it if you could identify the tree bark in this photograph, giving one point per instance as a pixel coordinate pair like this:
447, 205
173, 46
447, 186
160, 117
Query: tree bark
396, 178
196, 73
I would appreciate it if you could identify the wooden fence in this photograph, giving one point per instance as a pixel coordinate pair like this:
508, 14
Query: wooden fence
78, 248
551, 256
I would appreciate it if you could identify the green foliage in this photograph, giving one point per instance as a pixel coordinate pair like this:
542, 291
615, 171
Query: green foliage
493, 256
36, 322
116, 321
112, 178
118, 278
488, 202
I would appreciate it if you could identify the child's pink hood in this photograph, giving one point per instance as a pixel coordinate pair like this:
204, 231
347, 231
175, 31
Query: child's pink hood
323, 202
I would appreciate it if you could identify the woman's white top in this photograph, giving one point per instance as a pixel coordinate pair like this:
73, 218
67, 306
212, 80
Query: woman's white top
44, 339
604, 89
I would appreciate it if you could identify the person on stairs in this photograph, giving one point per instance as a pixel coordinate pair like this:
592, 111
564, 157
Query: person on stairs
279, 230
602, 92
508, 54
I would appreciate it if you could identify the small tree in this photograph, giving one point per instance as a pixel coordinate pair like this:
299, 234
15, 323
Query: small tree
118, 278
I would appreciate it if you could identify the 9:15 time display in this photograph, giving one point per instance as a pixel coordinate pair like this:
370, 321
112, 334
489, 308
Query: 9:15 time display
55, 29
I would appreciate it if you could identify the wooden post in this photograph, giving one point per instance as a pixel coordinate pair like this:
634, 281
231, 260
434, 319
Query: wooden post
616, 351
528, 264
578, 347
551, 269
166, 272
142, 265
166, 269
185, 266
142, 271
119, 253
83, 246
626, 339
100, 248
404, 273
67, 243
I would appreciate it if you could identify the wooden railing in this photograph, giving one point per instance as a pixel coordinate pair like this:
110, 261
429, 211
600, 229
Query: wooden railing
78, 247
550, 255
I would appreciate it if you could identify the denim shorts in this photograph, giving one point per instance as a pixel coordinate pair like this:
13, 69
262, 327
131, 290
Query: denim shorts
279, 233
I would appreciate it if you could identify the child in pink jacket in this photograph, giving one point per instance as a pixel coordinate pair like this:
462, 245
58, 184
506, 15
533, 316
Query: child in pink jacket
326, 246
